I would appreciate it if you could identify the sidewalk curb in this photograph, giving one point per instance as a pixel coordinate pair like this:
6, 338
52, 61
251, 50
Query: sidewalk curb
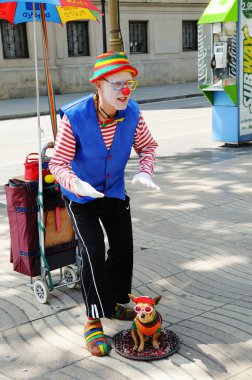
143, 101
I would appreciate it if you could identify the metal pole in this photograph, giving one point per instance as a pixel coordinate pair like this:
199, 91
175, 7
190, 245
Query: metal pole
114, 32
39, 131
104, 34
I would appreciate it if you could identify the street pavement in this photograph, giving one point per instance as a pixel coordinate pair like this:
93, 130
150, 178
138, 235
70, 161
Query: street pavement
192, 245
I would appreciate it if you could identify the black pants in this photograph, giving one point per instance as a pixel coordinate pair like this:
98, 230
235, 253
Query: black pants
104, 281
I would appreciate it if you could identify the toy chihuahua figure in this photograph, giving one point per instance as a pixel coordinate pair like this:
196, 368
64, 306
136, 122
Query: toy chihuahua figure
147, 322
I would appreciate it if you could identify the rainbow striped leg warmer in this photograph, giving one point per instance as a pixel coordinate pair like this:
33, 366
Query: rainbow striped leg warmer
95, 340
124, 313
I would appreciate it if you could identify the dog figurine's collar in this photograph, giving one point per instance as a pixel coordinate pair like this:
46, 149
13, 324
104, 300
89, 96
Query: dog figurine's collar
150, 328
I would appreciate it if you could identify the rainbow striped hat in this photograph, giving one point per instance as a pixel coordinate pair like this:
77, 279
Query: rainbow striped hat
110, 63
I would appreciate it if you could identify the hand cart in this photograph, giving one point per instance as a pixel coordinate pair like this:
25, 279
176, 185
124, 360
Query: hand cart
41, 233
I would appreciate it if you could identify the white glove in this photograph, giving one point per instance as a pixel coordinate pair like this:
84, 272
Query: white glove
84, 189
144, 179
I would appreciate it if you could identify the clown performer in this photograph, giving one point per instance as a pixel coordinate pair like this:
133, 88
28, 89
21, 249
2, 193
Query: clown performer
92, 147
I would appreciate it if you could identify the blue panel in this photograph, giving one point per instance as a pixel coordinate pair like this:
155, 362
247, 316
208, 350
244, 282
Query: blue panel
222, 99
24, 13
245, 138
225, 124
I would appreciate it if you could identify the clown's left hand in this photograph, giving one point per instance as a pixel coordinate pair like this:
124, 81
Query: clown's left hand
144, 179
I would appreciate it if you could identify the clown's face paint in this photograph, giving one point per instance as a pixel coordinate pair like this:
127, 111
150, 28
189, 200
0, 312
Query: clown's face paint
112, 100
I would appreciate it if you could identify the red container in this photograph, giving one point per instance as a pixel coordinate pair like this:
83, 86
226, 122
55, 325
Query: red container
32, 167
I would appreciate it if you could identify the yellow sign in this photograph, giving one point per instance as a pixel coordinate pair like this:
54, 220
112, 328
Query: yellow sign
247, 69
74, 13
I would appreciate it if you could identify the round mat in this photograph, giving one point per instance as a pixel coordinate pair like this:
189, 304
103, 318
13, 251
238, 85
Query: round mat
123, 343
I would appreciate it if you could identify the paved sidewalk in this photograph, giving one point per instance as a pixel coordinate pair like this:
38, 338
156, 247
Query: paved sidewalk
25, 107
192, 245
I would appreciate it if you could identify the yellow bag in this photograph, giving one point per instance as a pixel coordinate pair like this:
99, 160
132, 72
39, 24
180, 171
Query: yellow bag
55, 235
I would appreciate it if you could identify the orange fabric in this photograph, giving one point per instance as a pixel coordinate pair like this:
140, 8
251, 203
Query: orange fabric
145, 330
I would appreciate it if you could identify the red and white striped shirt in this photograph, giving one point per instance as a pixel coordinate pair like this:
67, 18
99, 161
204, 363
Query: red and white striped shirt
65, 145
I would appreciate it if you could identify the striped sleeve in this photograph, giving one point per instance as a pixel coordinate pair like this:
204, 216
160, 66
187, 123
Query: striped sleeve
63, 154
145, 146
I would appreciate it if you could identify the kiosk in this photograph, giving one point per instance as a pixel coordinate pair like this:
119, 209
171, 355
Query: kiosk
225, 67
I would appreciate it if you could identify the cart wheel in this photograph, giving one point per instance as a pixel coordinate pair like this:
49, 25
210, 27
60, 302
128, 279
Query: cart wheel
70, 275
41, 291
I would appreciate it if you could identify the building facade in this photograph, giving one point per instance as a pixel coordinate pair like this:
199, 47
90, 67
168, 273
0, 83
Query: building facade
160, 38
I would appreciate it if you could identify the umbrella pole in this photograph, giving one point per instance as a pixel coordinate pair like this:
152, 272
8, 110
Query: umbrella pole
40, 188
48, 76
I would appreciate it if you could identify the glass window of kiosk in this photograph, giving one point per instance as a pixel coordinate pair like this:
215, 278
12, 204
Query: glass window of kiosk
223, 61
217, 50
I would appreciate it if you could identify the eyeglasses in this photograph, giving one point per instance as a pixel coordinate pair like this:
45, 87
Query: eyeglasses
119, 84
147, 309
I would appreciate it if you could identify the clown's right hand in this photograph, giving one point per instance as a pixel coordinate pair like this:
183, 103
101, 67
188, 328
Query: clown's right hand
84, 189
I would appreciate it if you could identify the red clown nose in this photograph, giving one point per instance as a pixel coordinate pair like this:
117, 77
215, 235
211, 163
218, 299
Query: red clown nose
125, 91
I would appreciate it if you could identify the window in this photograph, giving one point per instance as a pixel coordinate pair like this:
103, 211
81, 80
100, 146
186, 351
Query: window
189, 31
14, 39
77, 38
138, 37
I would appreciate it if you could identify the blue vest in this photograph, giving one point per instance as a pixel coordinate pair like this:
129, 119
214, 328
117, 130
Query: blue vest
93, 162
